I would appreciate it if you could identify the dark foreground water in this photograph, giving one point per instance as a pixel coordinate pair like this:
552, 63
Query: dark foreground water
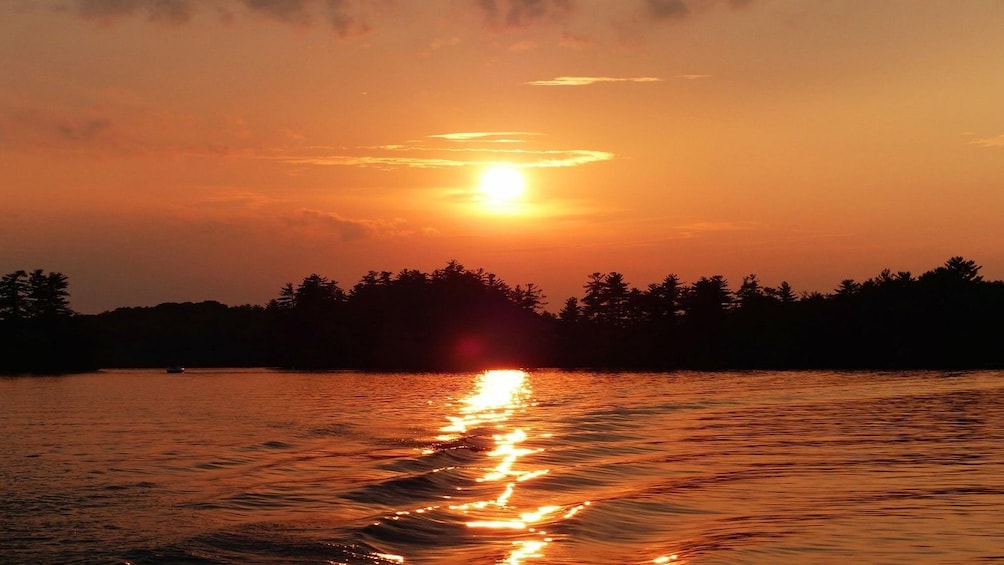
255, 466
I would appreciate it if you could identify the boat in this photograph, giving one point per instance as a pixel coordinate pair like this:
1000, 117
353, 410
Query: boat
175, 369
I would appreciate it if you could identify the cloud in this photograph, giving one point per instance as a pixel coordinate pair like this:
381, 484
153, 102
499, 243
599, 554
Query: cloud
521, 13
168, 11
84, 129
374, 161
573, 158
693, 77
346, 17
700, 228
351, 18
585, 81
291, 11
989, 141
532, 159
666, 9
494, 136
35, 128
349, 229
661, 10
479, 149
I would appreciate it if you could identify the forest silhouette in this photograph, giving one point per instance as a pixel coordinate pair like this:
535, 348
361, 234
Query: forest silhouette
460, 319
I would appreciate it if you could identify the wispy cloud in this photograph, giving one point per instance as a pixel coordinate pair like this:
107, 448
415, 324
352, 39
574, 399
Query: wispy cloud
461, 149
693, 77
34, 127
696, 229
349, 229
374, 161
990, 141
482, 135
586, 81
523, 158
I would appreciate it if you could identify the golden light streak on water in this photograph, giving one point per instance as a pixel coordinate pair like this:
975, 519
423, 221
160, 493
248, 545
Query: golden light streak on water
498, 524
525, 550
575, 509
498, 394
505, 496
532, 475
497, 397
540, 514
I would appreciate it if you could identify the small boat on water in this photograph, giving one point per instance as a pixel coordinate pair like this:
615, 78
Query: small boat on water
175, 369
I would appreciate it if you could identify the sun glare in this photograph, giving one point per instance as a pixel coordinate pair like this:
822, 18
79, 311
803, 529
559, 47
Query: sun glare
502, 186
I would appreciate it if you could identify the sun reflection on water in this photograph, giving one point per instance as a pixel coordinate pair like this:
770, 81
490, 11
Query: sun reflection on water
488, 423
497, 395
500, 394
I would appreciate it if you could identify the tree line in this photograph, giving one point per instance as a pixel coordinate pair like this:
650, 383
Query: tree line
456, 318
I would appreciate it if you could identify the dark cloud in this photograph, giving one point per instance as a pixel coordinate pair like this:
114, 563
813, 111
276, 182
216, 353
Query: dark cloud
518, 13
291, 11
676, 9
346, 17
666, 9
82, 130
170, 11
26, 129
351, 17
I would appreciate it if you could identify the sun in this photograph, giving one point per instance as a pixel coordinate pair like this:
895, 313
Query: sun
502, 186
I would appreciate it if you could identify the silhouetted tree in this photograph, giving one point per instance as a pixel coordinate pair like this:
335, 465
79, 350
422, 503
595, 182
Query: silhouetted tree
706, 303
38, 330
570, 312
308, 329
708, 298
530, 297
960, 269
47, 294
751, 293
14, 296
607, 299
665, 298
783, 293
847, 288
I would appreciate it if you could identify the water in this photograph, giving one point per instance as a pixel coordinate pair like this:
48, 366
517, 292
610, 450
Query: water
257, 466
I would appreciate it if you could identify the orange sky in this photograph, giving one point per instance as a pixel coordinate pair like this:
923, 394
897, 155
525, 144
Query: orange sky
172, 150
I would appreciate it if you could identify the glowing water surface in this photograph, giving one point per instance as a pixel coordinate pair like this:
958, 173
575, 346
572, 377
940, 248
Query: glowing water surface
506, 467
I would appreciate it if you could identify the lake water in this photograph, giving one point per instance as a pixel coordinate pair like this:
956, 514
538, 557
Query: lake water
258, 466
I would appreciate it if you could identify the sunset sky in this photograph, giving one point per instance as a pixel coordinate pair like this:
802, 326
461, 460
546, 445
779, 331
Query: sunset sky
176, 150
